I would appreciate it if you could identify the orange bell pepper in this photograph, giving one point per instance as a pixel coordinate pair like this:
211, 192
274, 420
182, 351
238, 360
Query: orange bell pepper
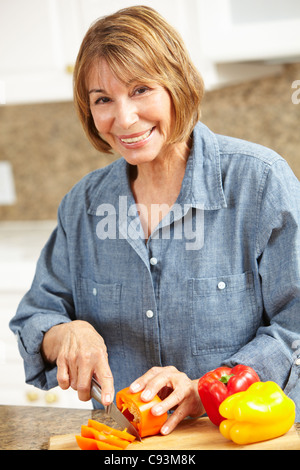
86, 443
139, 413
115, 432
99, 436
103, 436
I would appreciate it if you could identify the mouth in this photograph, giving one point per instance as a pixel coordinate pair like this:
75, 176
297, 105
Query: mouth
137, 138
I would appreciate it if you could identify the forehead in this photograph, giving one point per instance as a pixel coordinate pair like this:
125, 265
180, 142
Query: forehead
102, 73
101, 76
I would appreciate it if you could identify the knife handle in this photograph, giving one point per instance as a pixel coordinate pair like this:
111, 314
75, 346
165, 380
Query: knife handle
96, 390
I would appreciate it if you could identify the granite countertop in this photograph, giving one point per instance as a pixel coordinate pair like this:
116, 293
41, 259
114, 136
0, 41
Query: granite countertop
30, 427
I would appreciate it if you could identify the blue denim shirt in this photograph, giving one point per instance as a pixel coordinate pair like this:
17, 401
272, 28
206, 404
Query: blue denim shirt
218, 281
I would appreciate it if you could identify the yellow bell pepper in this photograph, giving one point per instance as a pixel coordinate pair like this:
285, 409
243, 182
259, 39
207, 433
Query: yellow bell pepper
260, 413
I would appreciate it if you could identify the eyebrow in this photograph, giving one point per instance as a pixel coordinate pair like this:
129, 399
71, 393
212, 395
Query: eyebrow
96, 91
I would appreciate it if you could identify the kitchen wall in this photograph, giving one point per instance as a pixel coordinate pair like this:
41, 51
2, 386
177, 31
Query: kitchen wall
49, 152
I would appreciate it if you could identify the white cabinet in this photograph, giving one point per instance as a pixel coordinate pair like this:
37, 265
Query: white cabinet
250, 30
32, 61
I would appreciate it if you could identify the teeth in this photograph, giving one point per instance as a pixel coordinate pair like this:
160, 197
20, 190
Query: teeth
137, 139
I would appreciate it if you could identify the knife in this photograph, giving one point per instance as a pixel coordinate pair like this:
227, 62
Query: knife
112, 411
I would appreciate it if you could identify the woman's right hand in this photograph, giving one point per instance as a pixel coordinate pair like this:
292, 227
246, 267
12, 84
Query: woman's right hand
79, 353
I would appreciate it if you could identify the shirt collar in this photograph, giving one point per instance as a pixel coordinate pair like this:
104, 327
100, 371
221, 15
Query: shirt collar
202, 182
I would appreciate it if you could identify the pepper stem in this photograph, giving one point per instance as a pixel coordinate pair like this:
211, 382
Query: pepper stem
225, 378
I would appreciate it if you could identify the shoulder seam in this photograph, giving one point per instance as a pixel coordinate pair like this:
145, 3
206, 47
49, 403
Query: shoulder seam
275, 157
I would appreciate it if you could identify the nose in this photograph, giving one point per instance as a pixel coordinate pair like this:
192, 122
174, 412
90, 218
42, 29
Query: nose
126, 114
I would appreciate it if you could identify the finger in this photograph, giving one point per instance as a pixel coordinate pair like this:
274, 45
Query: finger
107, 390
84, 383
73, 371
63, 377
105, 378
165, 377
173, 400
140, 383
179, 414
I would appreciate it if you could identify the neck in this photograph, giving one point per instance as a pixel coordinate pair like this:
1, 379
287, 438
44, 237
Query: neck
158, 184
166, 171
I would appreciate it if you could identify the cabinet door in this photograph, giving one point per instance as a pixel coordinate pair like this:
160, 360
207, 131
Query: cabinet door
251, 30
32, 63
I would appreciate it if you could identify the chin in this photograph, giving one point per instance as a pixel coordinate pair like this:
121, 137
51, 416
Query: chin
135, 159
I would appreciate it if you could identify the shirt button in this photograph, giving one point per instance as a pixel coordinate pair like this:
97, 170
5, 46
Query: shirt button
153, 261
149, 313
297, 362
95, 291
221, 285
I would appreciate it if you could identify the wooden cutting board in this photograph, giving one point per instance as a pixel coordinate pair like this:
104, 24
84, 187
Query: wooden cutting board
190, 434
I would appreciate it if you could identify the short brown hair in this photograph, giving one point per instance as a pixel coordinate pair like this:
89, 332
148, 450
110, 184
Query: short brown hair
139, 44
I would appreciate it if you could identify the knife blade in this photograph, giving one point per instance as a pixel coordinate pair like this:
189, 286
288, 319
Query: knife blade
112, 411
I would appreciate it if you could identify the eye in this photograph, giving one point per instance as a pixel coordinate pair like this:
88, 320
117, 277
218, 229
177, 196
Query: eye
141, 90
102, 100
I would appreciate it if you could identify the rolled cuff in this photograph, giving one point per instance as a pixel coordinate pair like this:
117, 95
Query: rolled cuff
37, 372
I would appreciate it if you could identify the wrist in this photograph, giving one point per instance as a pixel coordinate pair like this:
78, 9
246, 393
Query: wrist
199, 408
53, 338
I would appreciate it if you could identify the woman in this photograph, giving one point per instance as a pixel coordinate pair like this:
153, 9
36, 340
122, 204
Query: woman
180, 256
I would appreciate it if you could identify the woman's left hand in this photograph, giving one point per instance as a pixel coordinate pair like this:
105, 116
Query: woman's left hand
176, 390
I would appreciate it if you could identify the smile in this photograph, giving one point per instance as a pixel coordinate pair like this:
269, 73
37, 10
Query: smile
140, 138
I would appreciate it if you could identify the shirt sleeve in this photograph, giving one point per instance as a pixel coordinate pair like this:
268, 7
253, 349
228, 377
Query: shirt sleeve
275, 351
48, 303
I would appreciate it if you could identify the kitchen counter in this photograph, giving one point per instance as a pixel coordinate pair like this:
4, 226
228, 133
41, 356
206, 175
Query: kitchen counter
29, 428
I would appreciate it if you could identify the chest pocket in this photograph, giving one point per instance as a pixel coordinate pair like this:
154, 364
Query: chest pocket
223, 313
99, 304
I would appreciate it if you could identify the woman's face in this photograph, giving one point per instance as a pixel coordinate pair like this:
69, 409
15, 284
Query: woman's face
135, 120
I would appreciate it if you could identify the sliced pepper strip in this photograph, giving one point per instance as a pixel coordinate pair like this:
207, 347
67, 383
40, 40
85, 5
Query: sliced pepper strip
86, 443
260, 413
115, 432
105, 446
139, 413
87, 431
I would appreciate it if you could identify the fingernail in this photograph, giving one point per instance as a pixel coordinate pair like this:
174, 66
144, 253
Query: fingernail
164, 429
157, 410
107, 398
146, 395
135, 387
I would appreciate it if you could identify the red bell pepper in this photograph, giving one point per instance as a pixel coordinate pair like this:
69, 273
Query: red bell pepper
220, 383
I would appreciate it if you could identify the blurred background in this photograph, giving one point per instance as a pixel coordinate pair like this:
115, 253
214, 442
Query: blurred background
248, 52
